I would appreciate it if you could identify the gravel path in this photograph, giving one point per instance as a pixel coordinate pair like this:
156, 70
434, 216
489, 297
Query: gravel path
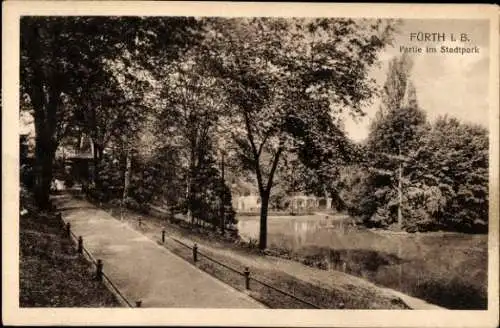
143, 270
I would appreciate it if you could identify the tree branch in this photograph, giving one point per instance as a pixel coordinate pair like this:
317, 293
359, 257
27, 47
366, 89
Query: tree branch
273, 167
255, 153
261, 147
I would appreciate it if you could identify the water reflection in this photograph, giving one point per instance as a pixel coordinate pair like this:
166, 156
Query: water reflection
296, 231
412, 263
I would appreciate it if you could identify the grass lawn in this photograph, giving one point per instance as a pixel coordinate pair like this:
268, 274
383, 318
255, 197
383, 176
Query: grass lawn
52, 274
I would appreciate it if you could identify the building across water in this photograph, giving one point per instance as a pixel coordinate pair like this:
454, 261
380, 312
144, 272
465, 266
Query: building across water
296, 203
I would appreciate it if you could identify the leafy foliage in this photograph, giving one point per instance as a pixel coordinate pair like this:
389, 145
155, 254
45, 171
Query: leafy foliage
170, 103
287, 81
59, 55
453, 161
441, 169
394, 134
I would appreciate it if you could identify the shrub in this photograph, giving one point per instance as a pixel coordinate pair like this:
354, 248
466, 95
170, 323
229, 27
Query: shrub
380, 218
27, 176
453, 293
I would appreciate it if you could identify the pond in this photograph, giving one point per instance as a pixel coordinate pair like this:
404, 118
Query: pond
295, 232
448, 269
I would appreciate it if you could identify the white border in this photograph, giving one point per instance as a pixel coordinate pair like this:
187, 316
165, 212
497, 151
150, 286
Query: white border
12, 314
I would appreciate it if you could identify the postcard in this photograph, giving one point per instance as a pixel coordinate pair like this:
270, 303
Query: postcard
250, 164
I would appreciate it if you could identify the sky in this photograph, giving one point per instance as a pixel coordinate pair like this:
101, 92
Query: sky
452, 84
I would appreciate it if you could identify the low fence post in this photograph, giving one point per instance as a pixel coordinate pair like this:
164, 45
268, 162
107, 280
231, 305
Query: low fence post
138, 303
163, 236
99, 270
247, 278
195, 253
68, 229
80, 245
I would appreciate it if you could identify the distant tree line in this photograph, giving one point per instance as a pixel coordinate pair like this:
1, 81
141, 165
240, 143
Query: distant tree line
417, 175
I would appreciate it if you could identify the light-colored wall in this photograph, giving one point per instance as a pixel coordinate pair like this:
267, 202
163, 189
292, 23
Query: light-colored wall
252, 203
247, 203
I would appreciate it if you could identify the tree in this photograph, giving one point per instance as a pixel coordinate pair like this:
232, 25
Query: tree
107, 114
287, 80
323, 164
453, 160
59, 55
393, 134
192, 121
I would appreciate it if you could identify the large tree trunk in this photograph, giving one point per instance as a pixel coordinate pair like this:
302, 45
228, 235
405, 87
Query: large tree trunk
264, 204
44, 89
45, 153
265, 193
45, 144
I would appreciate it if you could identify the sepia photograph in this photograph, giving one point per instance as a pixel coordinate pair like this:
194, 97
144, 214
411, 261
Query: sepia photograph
242, 162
